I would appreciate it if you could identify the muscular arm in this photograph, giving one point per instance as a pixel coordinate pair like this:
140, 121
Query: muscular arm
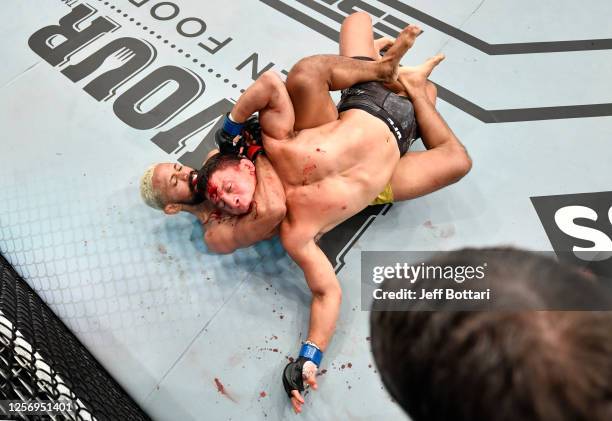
322, 281
269, 96
225, 234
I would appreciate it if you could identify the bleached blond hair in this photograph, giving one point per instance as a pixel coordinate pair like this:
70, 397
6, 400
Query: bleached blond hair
149, 194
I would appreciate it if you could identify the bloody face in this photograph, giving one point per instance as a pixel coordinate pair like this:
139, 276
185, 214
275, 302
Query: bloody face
231, 189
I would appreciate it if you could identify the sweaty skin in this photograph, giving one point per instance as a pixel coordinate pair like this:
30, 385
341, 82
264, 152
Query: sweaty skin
333, 171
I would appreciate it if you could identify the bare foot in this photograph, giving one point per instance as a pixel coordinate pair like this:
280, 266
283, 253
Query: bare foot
382, 44
414, 79
394, 54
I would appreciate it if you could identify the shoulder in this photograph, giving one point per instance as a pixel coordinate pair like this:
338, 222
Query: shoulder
294, 236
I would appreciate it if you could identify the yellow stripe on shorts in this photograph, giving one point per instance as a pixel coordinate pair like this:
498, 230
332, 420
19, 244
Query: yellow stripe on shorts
385, 196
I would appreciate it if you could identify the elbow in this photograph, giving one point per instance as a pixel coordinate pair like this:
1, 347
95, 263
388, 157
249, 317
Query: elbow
329, 294
215, 246
222, 250
270, 79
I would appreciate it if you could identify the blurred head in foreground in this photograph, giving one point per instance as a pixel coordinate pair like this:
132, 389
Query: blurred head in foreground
502, 365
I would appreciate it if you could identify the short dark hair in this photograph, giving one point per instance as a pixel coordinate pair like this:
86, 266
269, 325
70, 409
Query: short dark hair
215, 163
499, 365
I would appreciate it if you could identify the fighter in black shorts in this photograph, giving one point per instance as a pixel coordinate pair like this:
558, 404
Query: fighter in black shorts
395, 110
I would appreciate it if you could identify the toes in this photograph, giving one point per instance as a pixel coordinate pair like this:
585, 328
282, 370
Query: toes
413, 30
435, 60
383, 43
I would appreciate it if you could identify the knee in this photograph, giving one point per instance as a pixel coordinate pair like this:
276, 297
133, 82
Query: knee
461, 161
302, 74
364, 17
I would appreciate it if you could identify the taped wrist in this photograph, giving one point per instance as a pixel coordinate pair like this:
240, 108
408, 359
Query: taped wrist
231, 127
311, 352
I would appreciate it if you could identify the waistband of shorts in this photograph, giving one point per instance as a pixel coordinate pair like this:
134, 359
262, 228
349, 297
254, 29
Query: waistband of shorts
364, 58
374, 110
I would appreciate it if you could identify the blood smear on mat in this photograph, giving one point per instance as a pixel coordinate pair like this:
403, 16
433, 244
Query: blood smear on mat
221, 389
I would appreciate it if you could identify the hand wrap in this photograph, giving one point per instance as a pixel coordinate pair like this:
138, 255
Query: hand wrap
224, 137
293, 374
251, 134
240, 139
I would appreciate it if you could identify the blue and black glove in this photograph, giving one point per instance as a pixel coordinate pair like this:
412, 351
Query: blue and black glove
240, 138
228, 138
293, 374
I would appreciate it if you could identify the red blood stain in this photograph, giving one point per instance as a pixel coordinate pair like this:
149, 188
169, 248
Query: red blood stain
290, 359
309, 168
369, 365
221, 389
342, 366
274, 337
275, 350
349, 365
262, 394
344, 207
211, 190
322, 372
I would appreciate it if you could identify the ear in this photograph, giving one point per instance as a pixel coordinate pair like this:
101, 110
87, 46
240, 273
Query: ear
172, 208
247, 164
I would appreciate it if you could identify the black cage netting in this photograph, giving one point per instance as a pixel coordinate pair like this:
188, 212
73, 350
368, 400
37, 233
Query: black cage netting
42, 361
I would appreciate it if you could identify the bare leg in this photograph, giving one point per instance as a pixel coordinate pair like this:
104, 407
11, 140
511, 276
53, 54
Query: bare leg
357, 37
357, 40
446, 161
311, 79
